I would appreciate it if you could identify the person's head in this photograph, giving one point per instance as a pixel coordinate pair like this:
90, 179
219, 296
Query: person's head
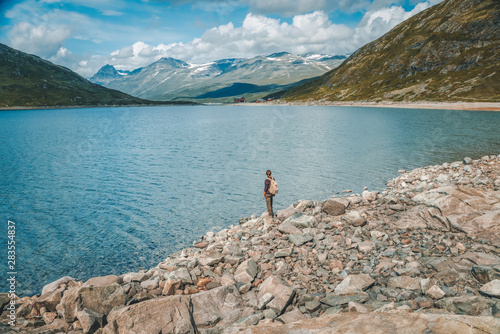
268, 173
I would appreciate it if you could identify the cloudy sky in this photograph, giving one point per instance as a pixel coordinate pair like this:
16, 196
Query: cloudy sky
87, 34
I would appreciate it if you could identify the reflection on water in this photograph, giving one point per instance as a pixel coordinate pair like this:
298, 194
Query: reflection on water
111, 190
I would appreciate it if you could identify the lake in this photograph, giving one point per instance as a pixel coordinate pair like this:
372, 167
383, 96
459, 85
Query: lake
104, 191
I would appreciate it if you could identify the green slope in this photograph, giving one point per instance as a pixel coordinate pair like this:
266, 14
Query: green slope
29, 81
449, 52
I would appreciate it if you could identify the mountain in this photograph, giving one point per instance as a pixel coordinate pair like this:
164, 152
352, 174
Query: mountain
218, 81
108, 73
29, 81
449, 52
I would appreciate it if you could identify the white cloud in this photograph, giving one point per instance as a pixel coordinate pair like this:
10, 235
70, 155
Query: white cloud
258, 34
41, 40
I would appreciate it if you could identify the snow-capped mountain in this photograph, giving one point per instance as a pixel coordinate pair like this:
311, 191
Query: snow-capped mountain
221, 80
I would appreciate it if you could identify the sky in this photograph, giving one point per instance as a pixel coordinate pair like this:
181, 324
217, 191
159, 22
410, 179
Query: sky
84, 35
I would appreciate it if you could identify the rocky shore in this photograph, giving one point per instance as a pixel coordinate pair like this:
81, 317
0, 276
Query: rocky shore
422, 256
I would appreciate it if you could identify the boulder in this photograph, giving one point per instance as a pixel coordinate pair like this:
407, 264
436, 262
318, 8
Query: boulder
287, 228
285, 213
485, 274
300, 239
435, 292
103, 280
171, 314
49, 300
51, 287
246, 271
69, 305
292, 316
369, 196
101, 299
90, 321
220, 306
170, 286
136, 277
354, 218
333, 208
354, 283
468, 304
301, 220
181, 274
282, 292
491, 289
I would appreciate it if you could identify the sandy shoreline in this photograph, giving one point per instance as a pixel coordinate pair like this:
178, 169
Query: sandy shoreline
485, 106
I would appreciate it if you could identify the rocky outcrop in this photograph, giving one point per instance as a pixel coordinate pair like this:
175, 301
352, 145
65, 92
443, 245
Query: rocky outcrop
422, 254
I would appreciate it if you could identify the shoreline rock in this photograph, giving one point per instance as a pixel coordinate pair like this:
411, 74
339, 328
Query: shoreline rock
426, 249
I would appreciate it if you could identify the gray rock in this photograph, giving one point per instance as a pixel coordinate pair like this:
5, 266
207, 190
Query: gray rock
171, 314
90, 321
338, 300
69, 305
491, 289
285, 213
181, 274
220, 306
250, 320
246, 271
292, 316
300, 239
264, 300
312, 306
369, 196
404, 282
101, 299
136, 277
103, 280
301, 220
333, 207
467, 161
354, 283
466, 304
269, 313
485, 274
55, 285
287, 228
354, 218
282, 292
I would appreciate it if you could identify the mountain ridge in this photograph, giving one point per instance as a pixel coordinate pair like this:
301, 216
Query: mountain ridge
449, 52
170, 78
30, 81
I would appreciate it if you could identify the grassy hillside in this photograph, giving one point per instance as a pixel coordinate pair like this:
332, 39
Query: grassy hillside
449, 52
29, 81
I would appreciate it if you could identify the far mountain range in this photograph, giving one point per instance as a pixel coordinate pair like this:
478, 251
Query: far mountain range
219, 81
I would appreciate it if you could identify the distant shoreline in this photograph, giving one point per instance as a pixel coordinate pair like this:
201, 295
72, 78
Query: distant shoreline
480, 106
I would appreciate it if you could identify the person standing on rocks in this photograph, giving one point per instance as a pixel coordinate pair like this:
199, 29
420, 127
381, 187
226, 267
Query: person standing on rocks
270, 189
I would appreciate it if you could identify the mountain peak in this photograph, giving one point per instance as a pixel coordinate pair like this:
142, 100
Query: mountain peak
448, 52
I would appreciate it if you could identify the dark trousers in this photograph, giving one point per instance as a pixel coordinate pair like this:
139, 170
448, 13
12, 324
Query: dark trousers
269, 202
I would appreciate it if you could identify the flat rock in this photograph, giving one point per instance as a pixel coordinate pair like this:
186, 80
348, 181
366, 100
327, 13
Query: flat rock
491, 289
338, 300
301, 220
378, 323
286, 213
404, 282
292, 316
300, 239
287, 228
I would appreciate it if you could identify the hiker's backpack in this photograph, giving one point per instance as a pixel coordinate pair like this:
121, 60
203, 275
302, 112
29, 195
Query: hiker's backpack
273, 187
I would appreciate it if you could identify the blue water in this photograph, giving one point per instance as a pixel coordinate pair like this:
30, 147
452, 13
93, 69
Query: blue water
112, 190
